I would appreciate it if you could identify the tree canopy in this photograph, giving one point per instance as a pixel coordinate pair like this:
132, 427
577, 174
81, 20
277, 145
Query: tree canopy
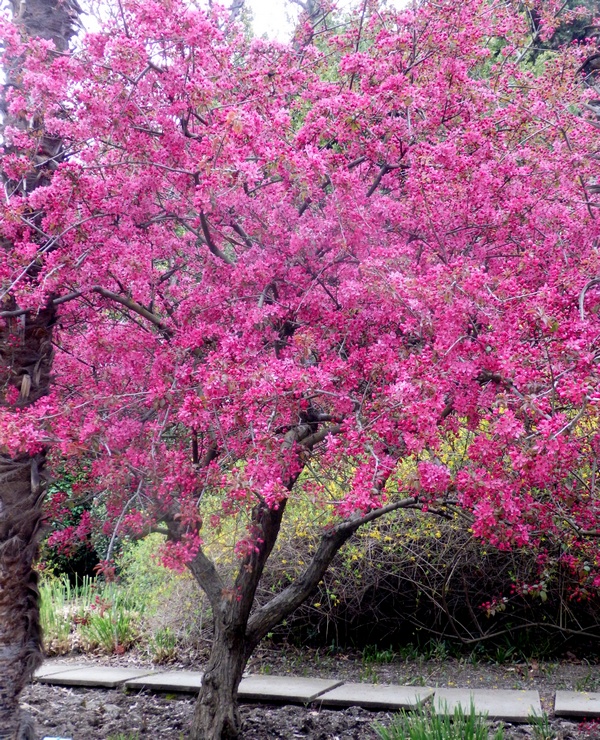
311, 266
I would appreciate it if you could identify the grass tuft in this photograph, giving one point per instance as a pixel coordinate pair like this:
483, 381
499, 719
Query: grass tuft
424, 724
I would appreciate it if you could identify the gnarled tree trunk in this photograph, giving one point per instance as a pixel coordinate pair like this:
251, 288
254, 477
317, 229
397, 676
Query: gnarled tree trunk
216, 716
237, 631
20, 498
238, 628
25, 367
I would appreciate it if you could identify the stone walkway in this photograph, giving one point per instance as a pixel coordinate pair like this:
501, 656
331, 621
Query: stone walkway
511, 706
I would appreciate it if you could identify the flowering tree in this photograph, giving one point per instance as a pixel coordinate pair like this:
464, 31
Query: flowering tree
307, 268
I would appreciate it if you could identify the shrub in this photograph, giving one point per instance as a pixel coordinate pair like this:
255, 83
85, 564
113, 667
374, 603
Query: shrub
111, 621
175, 616
412, 578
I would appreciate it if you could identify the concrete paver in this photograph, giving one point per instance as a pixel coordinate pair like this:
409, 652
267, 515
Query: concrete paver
186, 681
375, 696
49, 667
577, 704
284, 688
103, 676
512, 706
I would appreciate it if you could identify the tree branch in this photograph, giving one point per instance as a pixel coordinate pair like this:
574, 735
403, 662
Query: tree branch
271, 613
586, 287
385, 169
56, 302
314, 439
135, 307
240, 232
210, 242
355, 522
207, 577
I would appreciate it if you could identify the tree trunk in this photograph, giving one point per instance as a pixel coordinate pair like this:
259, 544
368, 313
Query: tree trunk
25, 362
20, 655
25, 367
216, 716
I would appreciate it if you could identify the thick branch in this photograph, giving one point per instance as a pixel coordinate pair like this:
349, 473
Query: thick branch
211, 453
210, 241
271, 613
314, 439
55, 302
582, 532
385, 169
266, 522
240, 231
357, 521
135, 307
209, 580
235, 9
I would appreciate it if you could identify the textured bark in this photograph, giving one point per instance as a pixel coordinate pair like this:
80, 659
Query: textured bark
236, 633
216, 716
48, 19
238, 630
25, 363
20, 516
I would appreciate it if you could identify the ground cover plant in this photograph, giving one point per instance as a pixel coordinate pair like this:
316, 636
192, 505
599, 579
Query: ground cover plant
295, 270
87, 616
414, 587
425, 724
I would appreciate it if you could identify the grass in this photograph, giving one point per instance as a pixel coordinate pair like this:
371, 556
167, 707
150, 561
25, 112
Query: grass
112, 630
158, 610
423, 724
369, 675
542, 730
62, 607
589, 682
373, 654
56, 598
163, 645
97, 616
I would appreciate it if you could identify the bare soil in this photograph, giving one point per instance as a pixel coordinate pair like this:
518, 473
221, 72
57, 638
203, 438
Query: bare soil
91, 714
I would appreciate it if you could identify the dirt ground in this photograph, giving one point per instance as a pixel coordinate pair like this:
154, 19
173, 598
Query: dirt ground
90, 714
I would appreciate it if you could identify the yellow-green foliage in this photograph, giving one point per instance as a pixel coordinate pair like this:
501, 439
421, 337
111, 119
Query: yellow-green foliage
174, 611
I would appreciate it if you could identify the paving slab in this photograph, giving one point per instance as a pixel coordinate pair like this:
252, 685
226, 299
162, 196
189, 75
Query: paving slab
375, 696
284, 688
186, 681
103, 676
512, 706
51, 666
577, 704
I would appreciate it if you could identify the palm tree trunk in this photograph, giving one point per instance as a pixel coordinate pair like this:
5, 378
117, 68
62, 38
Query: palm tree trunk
25, 367
20, 655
